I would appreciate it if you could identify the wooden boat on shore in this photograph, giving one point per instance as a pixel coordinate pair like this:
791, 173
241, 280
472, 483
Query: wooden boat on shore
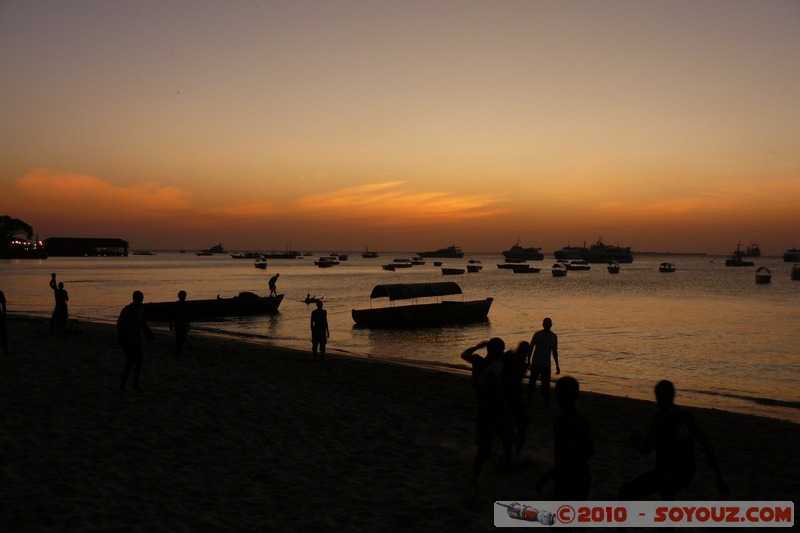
245, 304
416, 315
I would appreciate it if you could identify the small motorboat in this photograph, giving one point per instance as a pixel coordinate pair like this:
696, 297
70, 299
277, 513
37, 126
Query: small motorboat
763, 275
613, 267
578, 264
452, 271
796, 272
525, 269
326, 262
559, 270
398, 263
666, 267
473, 265
417, 261
261, 263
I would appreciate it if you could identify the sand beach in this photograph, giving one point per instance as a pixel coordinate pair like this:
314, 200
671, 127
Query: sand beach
245, 436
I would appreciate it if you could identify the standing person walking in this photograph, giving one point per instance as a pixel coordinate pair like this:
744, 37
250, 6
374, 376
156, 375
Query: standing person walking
180, 323
543, 343
131, 327
319, 330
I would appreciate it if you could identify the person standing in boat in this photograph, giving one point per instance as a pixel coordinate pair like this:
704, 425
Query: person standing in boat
273, 285
180, 323
543, 343
319, 330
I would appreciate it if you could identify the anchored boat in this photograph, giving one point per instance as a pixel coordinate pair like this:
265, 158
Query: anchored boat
416, 315
246, 304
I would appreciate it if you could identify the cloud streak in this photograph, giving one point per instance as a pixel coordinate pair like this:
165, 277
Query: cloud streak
396, 203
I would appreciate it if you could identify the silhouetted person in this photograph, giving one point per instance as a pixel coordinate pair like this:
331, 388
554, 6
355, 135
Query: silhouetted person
572, 444
180, 322
515, 365
131, 327
672, 433
319, 330
3, 332
61, 311
273, 285
543, 343
493, 417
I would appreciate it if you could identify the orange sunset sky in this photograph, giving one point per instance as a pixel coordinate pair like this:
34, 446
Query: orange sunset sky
405, 124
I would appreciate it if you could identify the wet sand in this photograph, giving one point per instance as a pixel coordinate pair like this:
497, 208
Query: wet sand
246, 436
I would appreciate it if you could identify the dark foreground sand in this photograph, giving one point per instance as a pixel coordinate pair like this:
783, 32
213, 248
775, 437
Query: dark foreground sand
248, 437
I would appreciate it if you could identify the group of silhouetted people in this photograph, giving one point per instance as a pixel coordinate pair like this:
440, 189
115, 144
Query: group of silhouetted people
502, 414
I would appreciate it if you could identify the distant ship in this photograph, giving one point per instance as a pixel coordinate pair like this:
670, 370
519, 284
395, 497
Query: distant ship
518, 253
451, 252
570, 252
792, 255
603, 253
596, 253
752, 251
288, 254
366, 254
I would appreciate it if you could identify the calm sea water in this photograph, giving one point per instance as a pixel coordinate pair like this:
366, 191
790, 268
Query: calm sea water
725, 341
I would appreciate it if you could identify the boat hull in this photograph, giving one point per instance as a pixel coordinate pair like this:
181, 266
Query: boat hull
518, 253
451, 252
246, 304
423, 315
791, 256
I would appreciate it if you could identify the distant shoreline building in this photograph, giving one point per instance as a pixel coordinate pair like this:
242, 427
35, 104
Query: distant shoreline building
85, 247
23, 249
